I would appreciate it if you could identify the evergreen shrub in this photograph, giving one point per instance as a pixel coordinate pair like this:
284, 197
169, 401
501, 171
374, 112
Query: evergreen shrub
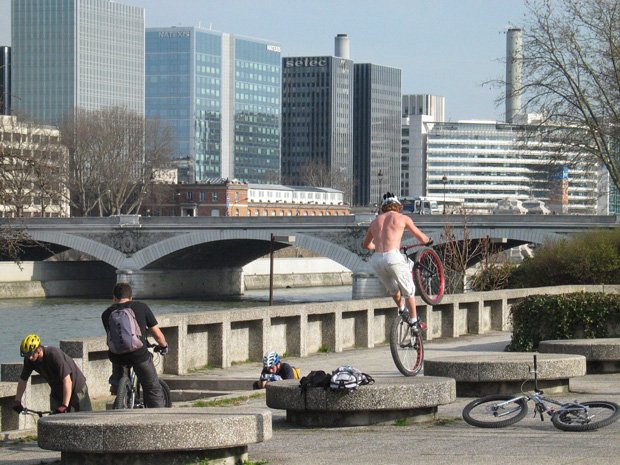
589, 258
580, 315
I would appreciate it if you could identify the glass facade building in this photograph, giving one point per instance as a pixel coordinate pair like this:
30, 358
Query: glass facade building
317, 121
69, 54
485, 162
377, 126
5, 80
220, 94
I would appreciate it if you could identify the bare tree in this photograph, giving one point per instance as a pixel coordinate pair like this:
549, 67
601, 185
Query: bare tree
460, 254
571, 76
318, 174
114, 154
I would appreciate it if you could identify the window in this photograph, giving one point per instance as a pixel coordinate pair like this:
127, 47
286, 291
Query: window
213, 196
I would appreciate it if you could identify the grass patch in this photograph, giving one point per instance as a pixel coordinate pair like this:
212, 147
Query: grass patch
401, 422
226, 402
31, 438
447, 421
324, 349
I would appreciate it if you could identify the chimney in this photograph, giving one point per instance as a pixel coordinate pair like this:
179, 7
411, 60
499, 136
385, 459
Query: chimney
513, 74
342, 46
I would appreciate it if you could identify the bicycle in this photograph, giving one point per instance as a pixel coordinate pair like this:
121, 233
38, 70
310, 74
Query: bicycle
406, 343
498, 411
129, 394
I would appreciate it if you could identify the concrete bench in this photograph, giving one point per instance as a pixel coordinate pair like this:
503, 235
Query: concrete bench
602, 354
390, 398
504, 372
162, 436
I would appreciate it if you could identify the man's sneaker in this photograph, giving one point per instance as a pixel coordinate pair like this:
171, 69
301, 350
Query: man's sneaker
418, 326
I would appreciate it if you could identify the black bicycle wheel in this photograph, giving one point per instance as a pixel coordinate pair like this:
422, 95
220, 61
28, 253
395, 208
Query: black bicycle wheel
167, 395
123, 394
495, 411
577, 418
406, 347
428, 276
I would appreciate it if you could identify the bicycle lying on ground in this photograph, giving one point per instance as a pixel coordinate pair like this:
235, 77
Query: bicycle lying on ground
129, 394
497, 411
406, 343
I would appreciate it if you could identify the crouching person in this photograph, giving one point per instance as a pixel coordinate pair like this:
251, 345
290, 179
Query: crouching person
275, 370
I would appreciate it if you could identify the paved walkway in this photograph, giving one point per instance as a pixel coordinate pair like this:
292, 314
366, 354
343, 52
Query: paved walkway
447, 441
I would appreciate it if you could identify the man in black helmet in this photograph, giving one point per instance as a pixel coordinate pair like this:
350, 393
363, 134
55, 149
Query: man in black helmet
383, 237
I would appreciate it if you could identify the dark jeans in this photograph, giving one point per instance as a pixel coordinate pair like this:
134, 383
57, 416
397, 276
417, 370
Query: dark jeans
147, 376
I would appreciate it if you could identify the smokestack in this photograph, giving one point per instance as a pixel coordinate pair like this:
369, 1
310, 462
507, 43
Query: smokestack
513, 74
342, 46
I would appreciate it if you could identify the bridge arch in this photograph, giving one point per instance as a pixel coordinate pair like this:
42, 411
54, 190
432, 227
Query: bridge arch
526, 236
90, 247
152, 253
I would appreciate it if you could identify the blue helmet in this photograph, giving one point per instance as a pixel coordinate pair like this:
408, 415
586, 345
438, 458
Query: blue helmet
271, 359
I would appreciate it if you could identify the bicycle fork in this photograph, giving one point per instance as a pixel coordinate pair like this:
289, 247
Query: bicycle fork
499, 410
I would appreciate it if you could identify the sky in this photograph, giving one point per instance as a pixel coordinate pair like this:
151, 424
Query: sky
444, 47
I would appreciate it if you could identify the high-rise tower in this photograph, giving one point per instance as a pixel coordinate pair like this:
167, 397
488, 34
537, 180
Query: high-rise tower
221, 95
69, 54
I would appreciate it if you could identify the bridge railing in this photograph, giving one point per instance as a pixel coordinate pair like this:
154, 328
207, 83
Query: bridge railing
219, 339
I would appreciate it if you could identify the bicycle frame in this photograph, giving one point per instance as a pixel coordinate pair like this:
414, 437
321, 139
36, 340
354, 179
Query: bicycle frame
541, 403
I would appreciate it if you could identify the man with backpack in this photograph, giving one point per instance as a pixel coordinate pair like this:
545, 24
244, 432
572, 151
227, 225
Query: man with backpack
126, 323
275, 370
69, 392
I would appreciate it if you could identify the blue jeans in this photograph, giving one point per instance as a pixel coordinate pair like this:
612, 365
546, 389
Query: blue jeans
147, 376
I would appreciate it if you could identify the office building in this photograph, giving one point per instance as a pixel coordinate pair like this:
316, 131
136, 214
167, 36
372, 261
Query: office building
33, 160
221, 95
478, 163
317, 122
377, 132
417, 110
69, 54
5, 80
424, 104
226, 197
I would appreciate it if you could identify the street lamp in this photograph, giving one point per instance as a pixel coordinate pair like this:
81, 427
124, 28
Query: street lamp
274, 238
380, 177
445, 181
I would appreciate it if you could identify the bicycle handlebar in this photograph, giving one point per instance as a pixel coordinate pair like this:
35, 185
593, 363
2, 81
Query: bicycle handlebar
27, 411
404, 248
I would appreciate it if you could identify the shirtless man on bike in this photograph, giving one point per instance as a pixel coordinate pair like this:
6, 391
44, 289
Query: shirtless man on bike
384, 236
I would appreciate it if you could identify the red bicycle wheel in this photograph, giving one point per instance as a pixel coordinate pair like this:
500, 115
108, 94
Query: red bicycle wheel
428, 276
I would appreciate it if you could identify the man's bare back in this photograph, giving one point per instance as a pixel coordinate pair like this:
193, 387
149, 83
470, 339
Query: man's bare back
386, 232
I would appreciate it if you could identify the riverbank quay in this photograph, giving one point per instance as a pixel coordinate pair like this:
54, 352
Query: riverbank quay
222, 339
447, 441
96, 279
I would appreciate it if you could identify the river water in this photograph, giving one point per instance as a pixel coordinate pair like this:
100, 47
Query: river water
59, 318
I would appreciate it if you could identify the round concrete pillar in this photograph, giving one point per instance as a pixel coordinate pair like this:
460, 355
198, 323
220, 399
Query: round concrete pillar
366, 285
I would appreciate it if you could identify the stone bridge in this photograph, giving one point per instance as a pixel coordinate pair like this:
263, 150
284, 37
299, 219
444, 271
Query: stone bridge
194, 256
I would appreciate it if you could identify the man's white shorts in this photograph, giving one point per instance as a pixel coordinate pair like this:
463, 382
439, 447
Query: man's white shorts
393, 271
